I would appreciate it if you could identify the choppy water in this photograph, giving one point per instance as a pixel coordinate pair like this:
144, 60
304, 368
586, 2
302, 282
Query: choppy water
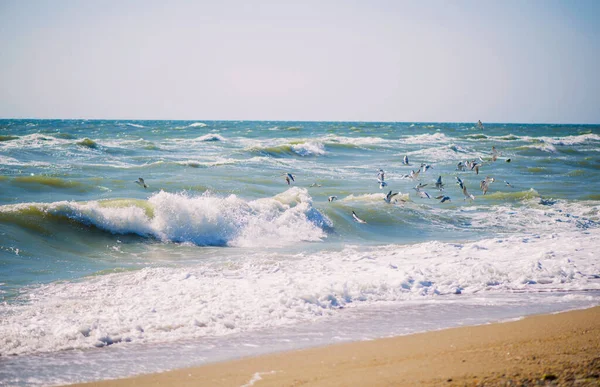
219, 247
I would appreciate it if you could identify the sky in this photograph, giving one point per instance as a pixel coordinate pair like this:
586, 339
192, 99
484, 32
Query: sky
525, 61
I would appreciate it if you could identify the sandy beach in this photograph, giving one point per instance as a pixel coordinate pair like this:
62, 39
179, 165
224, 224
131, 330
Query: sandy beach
557, 349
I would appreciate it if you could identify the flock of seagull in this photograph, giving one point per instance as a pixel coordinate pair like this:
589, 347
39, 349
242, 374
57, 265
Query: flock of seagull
467, 165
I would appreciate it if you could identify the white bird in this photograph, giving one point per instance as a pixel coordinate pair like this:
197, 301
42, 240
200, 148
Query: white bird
508, 184
438, 184
466, 193
444, 198
495, 153
460, 166
419, 186
356, 218
389, 196
332, 198
381, 179
423, 194
426, 167
473, 166
405, 160
289, 178
459, 182
141, 182
414, 175
485, 184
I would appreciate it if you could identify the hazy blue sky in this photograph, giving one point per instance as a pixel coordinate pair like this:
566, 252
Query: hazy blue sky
498, 61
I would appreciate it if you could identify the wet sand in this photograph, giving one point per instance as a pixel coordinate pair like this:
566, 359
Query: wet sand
557, 349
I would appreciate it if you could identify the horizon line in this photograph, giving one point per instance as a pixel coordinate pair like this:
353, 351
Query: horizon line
262, 120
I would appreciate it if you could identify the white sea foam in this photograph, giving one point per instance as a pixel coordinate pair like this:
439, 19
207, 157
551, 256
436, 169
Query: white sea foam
309, 148
265, 290
427, 138
134, 125
197, 125
443, 153
202, 220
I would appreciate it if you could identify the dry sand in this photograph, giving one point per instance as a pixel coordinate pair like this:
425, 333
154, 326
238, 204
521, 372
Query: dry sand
558, 349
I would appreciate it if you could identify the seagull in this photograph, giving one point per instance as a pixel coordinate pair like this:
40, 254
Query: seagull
460, 166
466, 193
332, 198
405, 160
438, 184
459, 182
356, 218
508, 184
141, 182
426, 167
495, 153
389, 196
315, 185
444, 198
479, 124
381, 178
414, 175
423, 194
485, 184
289, 178
473, 165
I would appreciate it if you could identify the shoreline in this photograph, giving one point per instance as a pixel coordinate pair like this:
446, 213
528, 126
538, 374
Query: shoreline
560, 349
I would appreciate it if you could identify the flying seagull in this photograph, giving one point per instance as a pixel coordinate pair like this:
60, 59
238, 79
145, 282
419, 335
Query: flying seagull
381, 179
289, 178
444, 198
356, 218
485, 184
466, 193
405, 160
438, 184
141, 182
332, 198
389, 196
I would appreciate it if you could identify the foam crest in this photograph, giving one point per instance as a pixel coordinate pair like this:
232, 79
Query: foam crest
427, 138
309, 148
205, 220
267, 290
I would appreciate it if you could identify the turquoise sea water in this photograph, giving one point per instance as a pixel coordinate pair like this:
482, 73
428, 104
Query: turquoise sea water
219, 245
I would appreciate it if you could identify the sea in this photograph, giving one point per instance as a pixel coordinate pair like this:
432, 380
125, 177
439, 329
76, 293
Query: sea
216, 255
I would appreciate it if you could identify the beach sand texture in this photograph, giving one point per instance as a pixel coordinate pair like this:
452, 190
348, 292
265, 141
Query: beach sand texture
557, 349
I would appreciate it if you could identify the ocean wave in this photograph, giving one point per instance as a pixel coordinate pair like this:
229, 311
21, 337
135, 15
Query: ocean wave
206, 164
197, 125
134, 125
293, 148
202, 220
168, 304
436, 154
426, 138
210, 137
309, 148
47, 181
